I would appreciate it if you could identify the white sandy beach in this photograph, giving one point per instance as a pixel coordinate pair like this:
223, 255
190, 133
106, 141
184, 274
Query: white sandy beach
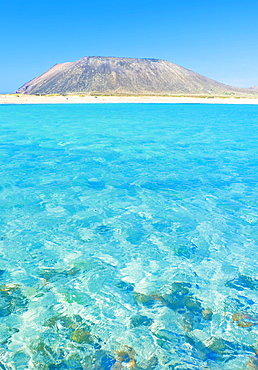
76, 99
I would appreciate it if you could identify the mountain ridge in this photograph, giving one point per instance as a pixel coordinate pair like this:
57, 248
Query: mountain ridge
113, 75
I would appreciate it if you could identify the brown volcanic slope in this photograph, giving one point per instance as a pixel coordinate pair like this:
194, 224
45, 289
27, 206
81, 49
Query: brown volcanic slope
110, 75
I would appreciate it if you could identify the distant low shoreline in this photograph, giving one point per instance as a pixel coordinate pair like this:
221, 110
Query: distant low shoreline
87, 99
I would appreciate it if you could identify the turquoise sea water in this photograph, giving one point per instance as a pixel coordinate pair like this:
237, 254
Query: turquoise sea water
128, 237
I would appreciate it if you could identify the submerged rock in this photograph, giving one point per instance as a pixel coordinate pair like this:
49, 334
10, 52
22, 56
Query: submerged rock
127, 287
12, 300
125, 359
81, 336
52, 274
243, 282
147, 300
207, 314
179, 299
253, 363
245, 320
139, 320
216, 349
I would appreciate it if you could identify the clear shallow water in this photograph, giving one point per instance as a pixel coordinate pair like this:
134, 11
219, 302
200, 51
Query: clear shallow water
128, 237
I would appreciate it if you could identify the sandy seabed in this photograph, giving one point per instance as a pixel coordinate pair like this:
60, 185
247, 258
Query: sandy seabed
76, 99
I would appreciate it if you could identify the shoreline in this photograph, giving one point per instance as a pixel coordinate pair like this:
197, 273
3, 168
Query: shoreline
87, 99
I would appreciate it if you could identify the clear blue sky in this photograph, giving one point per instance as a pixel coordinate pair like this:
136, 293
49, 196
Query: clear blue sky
218, 39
